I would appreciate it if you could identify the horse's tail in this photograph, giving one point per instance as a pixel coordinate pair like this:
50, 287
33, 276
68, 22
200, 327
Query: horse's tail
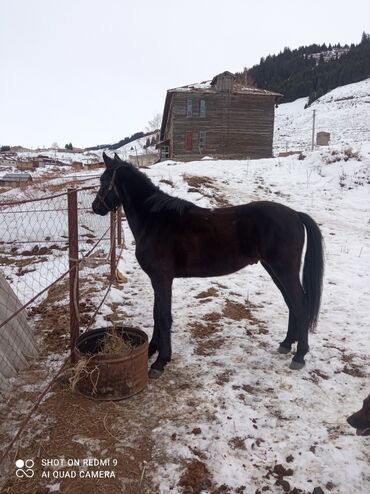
313, 269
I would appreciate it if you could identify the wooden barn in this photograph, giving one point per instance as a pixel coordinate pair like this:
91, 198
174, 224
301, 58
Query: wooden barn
219, 118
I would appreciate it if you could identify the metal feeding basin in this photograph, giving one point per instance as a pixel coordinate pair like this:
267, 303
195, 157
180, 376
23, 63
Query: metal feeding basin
112, 363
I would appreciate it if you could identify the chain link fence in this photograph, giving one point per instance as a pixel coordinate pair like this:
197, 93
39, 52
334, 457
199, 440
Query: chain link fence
33, 244
58, 262
56, 255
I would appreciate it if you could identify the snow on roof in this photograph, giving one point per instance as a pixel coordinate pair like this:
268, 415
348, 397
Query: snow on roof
206, 86
16, 176
209, 86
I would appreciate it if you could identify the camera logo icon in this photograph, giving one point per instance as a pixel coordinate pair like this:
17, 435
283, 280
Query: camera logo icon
24, 469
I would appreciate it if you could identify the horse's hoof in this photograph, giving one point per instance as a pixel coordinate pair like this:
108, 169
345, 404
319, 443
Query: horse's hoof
294, 365
154, 373
284, 349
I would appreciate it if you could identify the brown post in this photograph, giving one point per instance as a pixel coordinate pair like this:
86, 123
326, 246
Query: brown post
119, 226
113, 222
74, 321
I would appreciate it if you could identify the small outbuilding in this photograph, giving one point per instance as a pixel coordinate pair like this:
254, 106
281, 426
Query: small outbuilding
220, 118
15, 179
323, 138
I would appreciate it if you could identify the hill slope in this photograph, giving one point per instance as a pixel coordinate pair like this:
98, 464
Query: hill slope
344, 112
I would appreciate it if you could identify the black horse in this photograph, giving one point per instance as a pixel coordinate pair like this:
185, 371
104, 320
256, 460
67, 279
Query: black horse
175, 239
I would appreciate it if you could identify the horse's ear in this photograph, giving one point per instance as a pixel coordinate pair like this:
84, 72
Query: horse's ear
107, 160
117, 159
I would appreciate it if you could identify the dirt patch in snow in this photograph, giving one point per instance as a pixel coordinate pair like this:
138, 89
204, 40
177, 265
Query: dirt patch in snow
208, 188
244, 312
238, 312
211, 292
196, 477
206, 334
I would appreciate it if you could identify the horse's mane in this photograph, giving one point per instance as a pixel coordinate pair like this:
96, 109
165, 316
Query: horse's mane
157, 200
160, 202
146, 182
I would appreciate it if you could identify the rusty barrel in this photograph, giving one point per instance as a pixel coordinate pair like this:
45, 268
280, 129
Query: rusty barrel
111, 376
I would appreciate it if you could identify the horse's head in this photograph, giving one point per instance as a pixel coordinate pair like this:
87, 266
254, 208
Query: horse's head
108, 197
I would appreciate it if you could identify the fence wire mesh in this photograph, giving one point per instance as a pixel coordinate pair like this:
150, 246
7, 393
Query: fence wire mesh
34, 244
36, 272
38, 298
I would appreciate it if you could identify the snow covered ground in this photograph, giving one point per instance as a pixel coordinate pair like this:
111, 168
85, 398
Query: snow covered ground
263, 413
344, 112
240, 421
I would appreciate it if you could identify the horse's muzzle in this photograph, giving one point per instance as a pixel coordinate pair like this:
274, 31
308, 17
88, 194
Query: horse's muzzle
98, 208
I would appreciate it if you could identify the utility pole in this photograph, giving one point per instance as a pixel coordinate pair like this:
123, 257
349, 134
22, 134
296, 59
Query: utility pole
313, 130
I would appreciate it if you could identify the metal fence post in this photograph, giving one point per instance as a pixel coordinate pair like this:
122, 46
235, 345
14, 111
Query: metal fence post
119, 226
113, 223
74, 322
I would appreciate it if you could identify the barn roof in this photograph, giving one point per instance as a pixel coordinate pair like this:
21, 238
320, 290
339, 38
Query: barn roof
208, 87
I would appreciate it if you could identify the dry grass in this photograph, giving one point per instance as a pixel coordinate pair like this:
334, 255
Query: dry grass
80, 370
114, 342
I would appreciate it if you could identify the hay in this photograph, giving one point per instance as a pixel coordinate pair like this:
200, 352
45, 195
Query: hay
114, 342
80, 370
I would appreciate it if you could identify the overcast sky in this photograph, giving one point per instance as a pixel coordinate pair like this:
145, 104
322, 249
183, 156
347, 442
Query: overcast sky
94, 71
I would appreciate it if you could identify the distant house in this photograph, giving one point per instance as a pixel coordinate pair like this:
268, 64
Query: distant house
219, 118
15, 179
46, 160
30, 164
8, 159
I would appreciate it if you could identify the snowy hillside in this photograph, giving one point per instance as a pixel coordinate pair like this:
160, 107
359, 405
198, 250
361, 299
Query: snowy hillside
251, 411
64, 156
228, 415
344, 112
241, 415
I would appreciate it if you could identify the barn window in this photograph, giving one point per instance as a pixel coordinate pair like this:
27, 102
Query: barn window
189, 140
165, 153
189, 107
202, 139
202, 108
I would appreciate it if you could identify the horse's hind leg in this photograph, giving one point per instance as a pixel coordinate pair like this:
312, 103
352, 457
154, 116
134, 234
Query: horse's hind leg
291, 288
286, 345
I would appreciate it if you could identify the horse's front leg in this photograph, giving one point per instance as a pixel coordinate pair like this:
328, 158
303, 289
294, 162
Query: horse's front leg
161, 340
153, 344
